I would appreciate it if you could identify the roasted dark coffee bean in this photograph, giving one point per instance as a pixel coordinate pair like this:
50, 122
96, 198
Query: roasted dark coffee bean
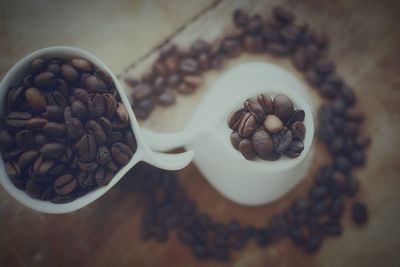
254, 107
291, 33
200, 46
282, 14
313, 78
52, 150
13, 169
27, 158
74, 128
299, 59
327, 90
121, 152
65, 184
33, 189
95, 130
266, 103
185, 89
114, 137
167, 98
54, 68
254, 25
81, 95
204, 60
299, 130
160, 68
6, 140
82, 64
318, 193
17, 120
112, 166
277, 49
105, 124
324, 67
283, 106
282, 140
262, 143
63, 88
291, 153
87, 148
193, 81
42, 165
235, 140
53, 113
359, 213
37, 65
121, 112
47, 193
296, 146
141, 91
240, 18
69, 73
45, 80
58, 169
298, 115
130, 140
57, 99
96, 105
246, 149
95, 85
25, 140
342, 164
88, 166
35, 99
189, 66
235, 117
231, 47
79, 110
15, 97
104, 156
104, 179
86, 180
253, 44
247, 125
54, 129
174, 80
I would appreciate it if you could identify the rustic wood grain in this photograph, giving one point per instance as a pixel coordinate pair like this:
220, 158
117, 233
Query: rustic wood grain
365, 44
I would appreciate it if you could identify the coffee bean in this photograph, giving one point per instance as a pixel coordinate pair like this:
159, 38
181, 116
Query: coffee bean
95, 130
33, 189
45, 80
313, 78
193, 81
347, 94
53, 113
69, 73
56, 98
253, 44
174, 80
254, 107
273, 124
88, 166
247, 125
235, 139
231, 47
359, 213
86, 180
204, 61
25, 140
189, 66
13, 169
277, 49
37, 65
313, 243
6, 140
74, 128
52, 150
298, 115
121, 112
61, 199
282, 140
282, 14
15, 97
246, 149
95, 85
35, 99
17, 120
80, 111
266, 103
54, 129
160, 68
299, 59
12, 153
291, 33
185, 89
65, 184
87, 148
27, 158
105, 124
82, 64
296, 146
167, 98
262, 143
159, 85
105, 179
121, 153
342, 164
254, 25
299, 130
141, 91
283, 106
240, 18
324, 67
42, 165
96, 105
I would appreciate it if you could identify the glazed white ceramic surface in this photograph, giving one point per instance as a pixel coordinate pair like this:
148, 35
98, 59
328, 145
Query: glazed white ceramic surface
246, 182
143, 153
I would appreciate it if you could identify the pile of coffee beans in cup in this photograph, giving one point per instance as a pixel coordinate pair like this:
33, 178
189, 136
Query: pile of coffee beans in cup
309, 219
267, 128
65, 130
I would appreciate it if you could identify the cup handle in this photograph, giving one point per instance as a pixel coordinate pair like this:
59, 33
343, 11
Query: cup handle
170, 162
168, 141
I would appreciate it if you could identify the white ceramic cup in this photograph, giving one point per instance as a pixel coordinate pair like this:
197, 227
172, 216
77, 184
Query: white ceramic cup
245, 182
144, 153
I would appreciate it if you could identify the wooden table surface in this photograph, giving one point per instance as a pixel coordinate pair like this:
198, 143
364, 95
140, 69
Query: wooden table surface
365, 45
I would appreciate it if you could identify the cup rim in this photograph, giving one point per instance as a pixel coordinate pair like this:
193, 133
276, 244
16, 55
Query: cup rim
46, 206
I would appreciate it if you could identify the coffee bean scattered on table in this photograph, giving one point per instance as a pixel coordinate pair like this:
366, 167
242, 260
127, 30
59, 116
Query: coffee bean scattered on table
64, 131
267, 127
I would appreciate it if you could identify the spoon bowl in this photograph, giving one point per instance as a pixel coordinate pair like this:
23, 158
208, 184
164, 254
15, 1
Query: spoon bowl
143, 152
240, 180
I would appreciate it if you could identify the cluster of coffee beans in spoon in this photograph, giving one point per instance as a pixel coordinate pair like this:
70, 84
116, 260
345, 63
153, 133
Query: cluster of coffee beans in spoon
267, 128
65, 130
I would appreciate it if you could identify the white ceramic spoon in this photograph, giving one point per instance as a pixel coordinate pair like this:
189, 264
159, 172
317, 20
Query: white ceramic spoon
143, 153
245, 182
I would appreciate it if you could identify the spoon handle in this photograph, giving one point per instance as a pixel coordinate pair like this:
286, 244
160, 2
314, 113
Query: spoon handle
168, 141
